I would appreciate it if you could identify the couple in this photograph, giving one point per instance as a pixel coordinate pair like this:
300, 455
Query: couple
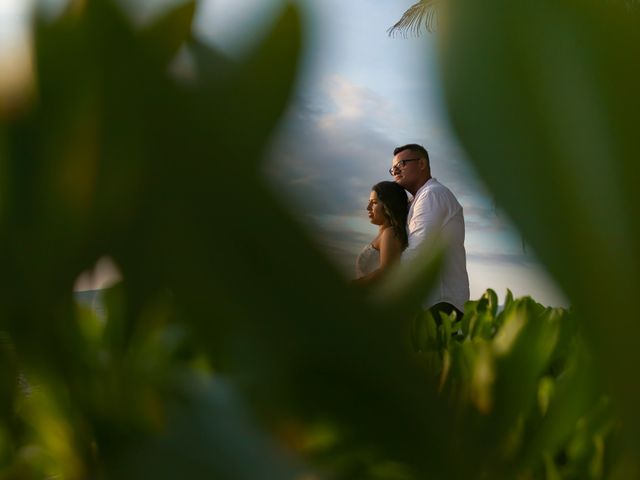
405, 228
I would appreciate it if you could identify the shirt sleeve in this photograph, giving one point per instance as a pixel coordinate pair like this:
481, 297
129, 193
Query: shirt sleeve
429, 215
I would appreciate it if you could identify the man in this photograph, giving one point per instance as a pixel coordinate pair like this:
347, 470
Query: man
435, 215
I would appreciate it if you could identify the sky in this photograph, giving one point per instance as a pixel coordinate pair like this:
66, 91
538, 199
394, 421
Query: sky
359, 94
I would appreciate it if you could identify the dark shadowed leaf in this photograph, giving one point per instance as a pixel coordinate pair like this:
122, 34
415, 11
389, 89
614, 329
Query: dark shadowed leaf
542, 95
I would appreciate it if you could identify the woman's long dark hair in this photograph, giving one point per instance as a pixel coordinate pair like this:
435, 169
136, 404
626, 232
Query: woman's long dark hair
396, 207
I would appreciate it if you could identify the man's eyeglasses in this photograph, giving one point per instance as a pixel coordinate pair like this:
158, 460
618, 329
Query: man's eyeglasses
400, 165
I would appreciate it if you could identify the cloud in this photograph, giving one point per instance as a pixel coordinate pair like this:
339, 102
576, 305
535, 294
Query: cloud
496, 258
329, 151
352, 107
336, 141
330, 148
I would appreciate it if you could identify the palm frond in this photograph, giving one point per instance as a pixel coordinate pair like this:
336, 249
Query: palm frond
418, 16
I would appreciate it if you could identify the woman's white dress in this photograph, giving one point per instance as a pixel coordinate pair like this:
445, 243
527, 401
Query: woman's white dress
367, 261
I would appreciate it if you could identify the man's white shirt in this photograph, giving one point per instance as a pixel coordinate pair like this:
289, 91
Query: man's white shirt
435, 215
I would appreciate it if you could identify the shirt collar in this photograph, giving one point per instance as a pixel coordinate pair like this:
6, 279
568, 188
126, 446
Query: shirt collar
431, 181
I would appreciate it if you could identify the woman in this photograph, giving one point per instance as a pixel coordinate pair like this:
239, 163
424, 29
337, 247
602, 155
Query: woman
388, 208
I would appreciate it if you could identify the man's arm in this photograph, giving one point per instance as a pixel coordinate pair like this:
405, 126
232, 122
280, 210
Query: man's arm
429, 214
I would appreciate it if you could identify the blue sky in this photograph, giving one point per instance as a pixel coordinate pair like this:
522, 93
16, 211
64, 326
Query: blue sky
359, 94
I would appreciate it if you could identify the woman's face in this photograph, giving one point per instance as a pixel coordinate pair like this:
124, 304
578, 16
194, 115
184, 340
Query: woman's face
376, 210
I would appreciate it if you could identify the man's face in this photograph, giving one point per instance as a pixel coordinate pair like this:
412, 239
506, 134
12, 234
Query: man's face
409, 170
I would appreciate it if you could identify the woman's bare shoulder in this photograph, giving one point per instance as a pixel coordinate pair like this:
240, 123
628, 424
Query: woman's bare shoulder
388, 235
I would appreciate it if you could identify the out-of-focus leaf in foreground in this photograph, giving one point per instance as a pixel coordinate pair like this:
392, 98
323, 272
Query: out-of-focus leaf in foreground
544, 95
119, 156
232, 349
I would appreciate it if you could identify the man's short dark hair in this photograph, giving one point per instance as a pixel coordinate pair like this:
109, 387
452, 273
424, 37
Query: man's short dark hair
414, 147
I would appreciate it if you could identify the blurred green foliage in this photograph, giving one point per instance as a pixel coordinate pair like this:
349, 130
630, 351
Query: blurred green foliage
521, 380
232, 349
544, 96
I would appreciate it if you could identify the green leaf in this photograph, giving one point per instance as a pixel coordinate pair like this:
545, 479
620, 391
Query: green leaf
556, 142
493, 301
575, 394
170, 31
209, 434
259, 90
